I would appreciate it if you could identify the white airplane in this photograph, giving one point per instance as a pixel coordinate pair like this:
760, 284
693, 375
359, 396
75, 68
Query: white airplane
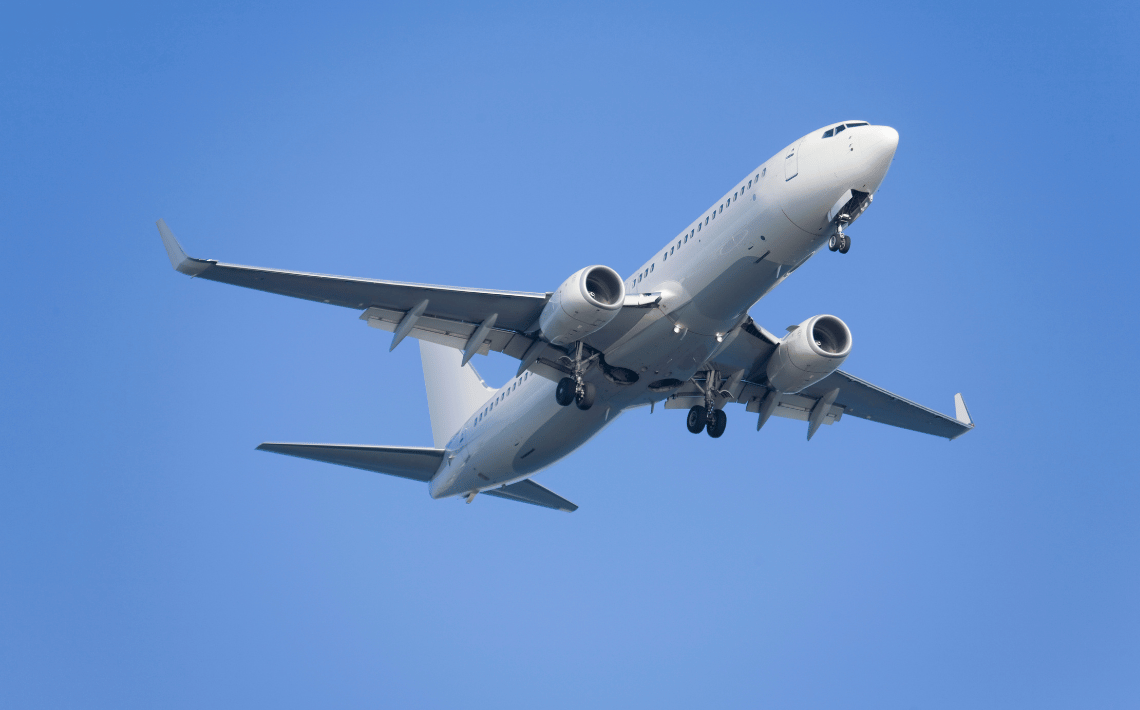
677, 331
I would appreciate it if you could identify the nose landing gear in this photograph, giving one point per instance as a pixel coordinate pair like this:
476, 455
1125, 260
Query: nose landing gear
839, 241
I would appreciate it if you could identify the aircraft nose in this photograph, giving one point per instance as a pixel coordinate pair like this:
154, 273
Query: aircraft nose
881, 151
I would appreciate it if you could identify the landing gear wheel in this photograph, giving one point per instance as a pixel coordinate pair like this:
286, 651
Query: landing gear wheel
717, 422
564, 394
846, 245
696, 420
834, 241
585, 396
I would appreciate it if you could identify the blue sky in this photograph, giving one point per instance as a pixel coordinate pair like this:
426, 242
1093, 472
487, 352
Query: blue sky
150, 557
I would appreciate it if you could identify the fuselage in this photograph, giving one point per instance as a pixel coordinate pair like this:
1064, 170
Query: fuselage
708, 276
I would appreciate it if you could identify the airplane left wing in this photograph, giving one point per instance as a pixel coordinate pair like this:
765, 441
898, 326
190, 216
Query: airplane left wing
741, 367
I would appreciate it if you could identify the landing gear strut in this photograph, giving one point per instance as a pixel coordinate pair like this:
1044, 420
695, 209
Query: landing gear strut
708, 417
575, 389
839, 241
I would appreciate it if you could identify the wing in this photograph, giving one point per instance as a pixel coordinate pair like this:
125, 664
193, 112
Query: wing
741, 364
475, 321
528, 491
859, 398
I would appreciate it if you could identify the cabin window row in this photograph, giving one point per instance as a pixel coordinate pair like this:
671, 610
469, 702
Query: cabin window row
500, 397
700, 225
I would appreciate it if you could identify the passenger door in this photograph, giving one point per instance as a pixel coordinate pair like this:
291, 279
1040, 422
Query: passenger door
792, 162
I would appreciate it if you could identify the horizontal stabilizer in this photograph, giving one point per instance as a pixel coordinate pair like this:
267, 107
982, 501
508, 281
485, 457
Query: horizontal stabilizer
530, 492
414, 462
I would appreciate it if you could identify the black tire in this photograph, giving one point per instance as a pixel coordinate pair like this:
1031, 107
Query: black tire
717, 425
696, 419
586, 399
833, 242
564, 393
846, 245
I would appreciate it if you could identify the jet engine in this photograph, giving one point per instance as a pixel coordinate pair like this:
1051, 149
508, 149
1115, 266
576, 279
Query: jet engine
582, 304
812, 351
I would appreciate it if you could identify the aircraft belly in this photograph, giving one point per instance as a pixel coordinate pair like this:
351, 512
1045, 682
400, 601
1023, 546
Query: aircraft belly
534, 434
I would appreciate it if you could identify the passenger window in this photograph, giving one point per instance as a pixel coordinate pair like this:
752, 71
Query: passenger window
686, 238
651, 266
829, 133
665, 257
670, 250
750, 184
758, 176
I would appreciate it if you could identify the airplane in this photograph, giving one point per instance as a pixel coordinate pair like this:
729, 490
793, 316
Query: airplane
676, 331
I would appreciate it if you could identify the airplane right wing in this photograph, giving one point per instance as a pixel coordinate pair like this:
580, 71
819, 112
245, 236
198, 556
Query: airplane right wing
474, 321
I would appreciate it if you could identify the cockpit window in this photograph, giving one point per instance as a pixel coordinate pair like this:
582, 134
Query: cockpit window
829, 133
855, 125
838, 129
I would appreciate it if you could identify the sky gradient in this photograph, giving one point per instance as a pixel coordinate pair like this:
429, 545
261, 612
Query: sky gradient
149, 557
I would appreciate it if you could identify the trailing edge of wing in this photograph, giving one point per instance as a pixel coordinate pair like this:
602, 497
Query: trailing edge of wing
530, 492
413, 462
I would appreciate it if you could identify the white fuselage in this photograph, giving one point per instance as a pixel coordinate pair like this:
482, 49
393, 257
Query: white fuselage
708, 277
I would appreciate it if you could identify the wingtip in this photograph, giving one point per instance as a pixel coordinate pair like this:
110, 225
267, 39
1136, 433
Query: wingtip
960, 412
178, 258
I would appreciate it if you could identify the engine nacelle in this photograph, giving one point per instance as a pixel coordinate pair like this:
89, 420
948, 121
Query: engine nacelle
811, 352
582, 304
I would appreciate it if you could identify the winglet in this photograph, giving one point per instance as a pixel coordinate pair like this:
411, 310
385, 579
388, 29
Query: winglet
178, 259
960, 412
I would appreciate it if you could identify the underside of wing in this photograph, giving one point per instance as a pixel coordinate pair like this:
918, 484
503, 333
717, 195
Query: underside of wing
515, 310
740, 376
475, 321
528, 491
862, 399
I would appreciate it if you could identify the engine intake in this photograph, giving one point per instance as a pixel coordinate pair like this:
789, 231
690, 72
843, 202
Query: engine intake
583, 304
811, 352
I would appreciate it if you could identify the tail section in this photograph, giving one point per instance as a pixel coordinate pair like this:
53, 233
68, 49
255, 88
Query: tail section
414, 462
454, 391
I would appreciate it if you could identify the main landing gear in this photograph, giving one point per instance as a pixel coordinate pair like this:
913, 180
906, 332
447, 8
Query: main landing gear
575, 389
712, 420
839, 241
708, 417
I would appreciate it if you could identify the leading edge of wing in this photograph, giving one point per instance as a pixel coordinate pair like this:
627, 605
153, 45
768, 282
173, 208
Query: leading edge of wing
286, 282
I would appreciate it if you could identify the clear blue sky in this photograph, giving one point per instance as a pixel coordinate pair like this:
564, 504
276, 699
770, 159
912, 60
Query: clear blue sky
149, 557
